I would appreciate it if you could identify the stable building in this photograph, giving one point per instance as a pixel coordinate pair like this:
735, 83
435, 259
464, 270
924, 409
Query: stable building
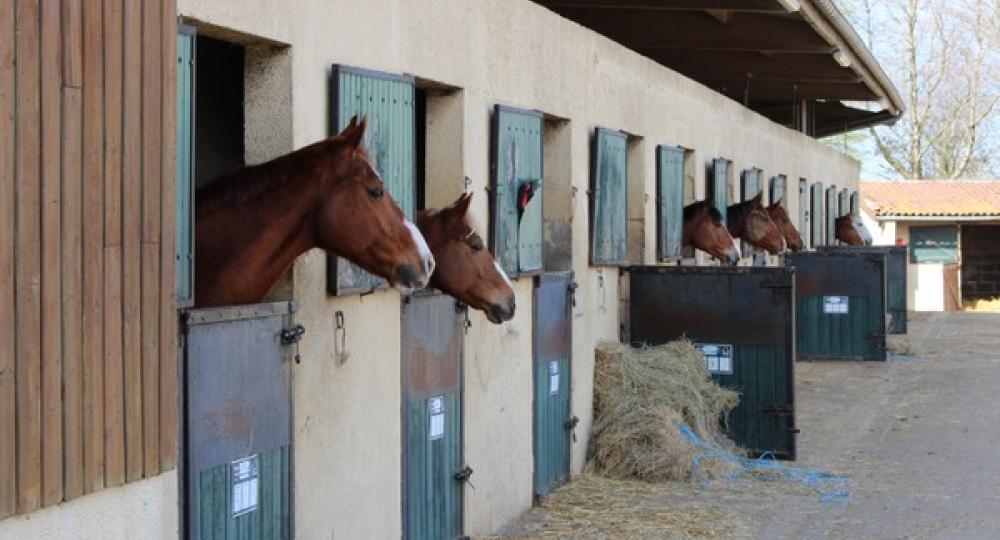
952, 230
619, 112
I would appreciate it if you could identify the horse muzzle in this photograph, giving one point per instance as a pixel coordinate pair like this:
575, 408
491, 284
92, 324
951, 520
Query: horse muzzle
409, 280
498, 313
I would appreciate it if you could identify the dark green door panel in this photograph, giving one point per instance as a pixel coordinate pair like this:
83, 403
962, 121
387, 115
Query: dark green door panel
745, 310
516, 190
553, 420
609, 199
827, 329
895, 281
831, 216
432, 416
387, 101
816, 214
669, 201
184, 188
719, 185
778, 188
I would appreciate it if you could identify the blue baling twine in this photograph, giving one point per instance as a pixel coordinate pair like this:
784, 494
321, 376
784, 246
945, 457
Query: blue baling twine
829, 487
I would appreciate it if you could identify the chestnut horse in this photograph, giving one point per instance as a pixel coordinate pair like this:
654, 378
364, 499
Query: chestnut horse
852, 231
779, 215
750, 221
466, 269
251, 225
705, 230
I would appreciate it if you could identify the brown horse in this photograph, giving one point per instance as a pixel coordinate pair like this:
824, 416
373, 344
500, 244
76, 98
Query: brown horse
251, 225
852, 231
705, 230
750, 221
780, 218
466, 269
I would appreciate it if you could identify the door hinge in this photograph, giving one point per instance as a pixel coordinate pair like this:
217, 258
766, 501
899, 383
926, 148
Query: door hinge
464, 475
777, 410
293, 335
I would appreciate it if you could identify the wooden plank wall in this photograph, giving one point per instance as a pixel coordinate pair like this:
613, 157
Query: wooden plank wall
88, 335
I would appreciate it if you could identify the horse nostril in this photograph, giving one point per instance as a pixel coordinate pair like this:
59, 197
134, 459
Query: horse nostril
406, 275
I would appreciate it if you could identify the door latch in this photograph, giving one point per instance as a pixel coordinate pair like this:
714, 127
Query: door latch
572, 287
463, 475
570, 425
293, 334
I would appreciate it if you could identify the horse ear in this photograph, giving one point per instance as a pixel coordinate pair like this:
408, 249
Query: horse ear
459, 208
354, 133
759, 199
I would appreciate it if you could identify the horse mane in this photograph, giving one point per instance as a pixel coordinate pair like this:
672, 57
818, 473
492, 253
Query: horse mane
697, 206
248, 182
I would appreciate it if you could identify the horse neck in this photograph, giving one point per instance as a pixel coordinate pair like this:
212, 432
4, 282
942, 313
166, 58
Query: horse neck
736, 220
254, 241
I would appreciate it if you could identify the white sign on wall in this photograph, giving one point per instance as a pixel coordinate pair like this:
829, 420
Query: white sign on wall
835, 305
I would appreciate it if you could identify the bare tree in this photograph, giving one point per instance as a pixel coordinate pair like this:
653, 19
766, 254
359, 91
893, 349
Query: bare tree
943, 55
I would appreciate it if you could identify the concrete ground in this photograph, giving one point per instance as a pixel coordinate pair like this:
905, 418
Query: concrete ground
920, 439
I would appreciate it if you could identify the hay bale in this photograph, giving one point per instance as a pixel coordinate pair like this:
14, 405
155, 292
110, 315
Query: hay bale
639, 395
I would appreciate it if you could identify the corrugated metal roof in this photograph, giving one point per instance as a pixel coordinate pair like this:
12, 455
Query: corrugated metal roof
963, 198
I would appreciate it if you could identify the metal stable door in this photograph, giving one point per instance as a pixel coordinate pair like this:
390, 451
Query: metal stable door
553, 421
433, 468
839, 304
743, 320
895, 281
238, 422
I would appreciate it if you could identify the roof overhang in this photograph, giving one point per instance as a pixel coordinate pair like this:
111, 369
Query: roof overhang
767, 54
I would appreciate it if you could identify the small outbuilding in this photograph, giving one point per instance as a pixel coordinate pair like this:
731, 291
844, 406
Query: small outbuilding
952, 230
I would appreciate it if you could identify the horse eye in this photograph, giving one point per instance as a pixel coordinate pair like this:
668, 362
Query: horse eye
376, 193
476, 246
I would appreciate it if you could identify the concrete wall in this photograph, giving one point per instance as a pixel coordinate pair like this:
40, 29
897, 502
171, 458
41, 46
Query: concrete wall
145, 509
347, 415
925, 282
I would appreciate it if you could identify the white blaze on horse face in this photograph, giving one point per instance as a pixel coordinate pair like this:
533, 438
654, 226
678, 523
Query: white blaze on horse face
425, 252
496, 264
859, 225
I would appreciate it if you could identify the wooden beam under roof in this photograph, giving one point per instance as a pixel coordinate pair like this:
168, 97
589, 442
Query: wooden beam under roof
763, 6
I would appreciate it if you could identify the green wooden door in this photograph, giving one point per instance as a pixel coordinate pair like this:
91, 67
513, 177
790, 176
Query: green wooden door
818, 226
387, 100
750, 186
432, 416
184, 219
609, 199
855, 201
778, 188
669, 201
553, 421
843, 203
831, 216
719, 185
840, 306
516, 190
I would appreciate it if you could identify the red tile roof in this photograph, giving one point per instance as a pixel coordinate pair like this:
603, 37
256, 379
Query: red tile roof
931, 197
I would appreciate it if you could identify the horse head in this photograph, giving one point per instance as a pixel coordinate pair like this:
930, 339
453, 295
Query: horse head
466, 269
852, 231
358, 220
750, 221
705, 230
780, 218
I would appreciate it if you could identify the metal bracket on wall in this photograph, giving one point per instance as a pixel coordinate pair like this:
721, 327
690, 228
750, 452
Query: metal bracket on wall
340, 338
